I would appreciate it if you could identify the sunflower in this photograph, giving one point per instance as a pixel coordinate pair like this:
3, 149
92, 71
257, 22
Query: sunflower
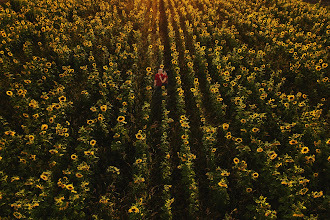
317, 194
214, 150
10, 93
133, 209
222, 184
303, 191
74, 156
318, 68
148, 69
278, 165
44, 127
254, 130
228, 136
248, 190
184, 137
290, 98
225, 173
103, 108
273, 156
239, 140
259, 149
20, 92
121, 119
255, 175
225, 126
138, 136
79, 175
17, 215
51, 120
236, 160
62, 98
315, 174
31, 137
53, 151
92, 142
100, 117
305, 150
44, 177
328, 142
138, 161
293, 142
324, 65
57, 105
88, 153
69, 187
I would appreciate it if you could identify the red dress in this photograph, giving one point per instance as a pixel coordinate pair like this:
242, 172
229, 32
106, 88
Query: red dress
158, 80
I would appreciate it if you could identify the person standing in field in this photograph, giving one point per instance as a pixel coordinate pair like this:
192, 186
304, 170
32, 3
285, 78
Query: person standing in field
156, 98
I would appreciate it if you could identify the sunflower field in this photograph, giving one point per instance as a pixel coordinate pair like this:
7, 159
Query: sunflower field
241, 132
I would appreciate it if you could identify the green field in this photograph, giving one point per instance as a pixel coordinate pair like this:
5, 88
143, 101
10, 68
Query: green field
241, 132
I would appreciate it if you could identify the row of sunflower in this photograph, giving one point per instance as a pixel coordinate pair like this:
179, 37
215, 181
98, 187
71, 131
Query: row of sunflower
143, 162
166, 163
165, 148
186, 157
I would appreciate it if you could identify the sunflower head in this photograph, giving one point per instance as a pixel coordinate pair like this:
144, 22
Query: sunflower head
139, 136
255, 175
133, 209
293, 142
121, 119
92, 142
305, 150
69, 187
254, 130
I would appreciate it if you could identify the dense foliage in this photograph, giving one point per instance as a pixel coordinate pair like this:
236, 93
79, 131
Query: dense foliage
241, 132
